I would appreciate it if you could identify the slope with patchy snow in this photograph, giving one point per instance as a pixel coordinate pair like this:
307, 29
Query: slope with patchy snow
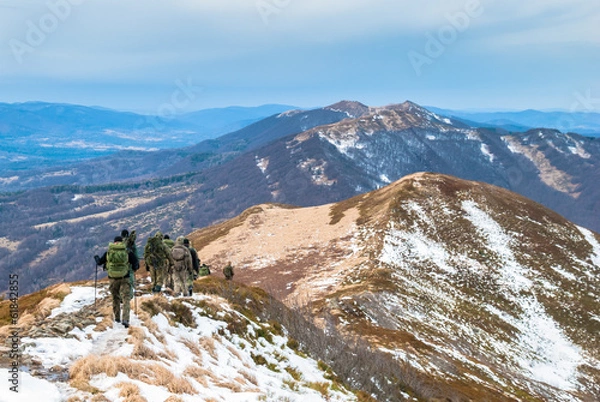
190, 349
479, 288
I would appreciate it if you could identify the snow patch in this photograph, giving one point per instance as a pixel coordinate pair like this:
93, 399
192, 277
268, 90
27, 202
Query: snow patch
384, 178
513, 273
590, 238
74, 301
262, 164
485, 149
29, 389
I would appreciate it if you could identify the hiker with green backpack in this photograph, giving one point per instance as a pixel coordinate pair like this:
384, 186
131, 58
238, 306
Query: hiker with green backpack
120, 265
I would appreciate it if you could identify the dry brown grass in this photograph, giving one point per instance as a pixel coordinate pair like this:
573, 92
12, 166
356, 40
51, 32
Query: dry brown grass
208, 344
249, 376
35, 306
173, 398
143, 352
85, 368
177, 385
193, 347
154, 374
146, 318
130, 392
231, 385
99, 398
235, 352
198, 373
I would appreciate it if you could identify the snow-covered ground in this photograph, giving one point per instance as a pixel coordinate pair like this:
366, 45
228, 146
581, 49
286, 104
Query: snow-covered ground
212, 363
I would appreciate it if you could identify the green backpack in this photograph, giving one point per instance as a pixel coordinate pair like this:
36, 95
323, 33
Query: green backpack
204, 270
117, 260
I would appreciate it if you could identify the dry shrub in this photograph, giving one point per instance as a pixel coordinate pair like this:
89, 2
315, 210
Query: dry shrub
128, 389
45, 307
181, 386
130, 392
143, 352
230, 385
235, 352
173, 398
208, 344
176, 385
136, 335
151, 325
192, 346
321, 387
162, 376
249, 376
85, 368
140, 351
199, 374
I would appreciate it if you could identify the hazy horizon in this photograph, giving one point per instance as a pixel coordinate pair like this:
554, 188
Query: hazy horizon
459, 54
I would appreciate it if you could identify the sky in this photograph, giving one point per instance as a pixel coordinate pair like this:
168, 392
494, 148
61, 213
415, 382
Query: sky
144, 55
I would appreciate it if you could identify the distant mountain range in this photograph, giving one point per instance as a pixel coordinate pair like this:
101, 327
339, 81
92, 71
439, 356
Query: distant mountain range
584, 123
301, 158
37, 134
137, 165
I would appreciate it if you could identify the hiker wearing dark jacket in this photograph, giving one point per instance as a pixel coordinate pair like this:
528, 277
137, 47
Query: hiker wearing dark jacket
168, 280
119, 262
195, 266
228, 271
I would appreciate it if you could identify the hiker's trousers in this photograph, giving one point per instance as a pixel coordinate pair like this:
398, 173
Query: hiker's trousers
120, 289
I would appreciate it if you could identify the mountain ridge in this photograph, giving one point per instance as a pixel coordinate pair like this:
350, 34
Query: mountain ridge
430, 261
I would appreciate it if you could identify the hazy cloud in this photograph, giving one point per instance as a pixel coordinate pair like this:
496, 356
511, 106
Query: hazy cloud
332, 45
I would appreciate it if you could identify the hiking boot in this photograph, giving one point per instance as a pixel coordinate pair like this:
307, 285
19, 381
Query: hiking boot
126, 324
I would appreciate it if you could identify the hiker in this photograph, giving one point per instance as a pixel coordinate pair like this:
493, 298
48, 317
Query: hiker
119, 262
195, 266
129, 241
169, 273
158, 258
182, 268
228, 271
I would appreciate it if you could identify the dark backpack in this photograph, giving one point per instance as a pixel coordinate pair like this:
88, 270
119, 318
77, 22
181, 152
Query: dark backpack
117, 260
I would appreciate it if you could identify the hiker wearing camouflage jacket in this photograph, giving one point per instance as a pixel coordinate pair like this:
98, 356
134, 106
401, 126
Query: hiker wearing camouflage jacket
158, 259
120, 264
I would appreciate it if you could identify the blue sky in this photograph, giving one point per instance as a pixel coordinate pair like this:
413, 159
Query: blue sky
142, 55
